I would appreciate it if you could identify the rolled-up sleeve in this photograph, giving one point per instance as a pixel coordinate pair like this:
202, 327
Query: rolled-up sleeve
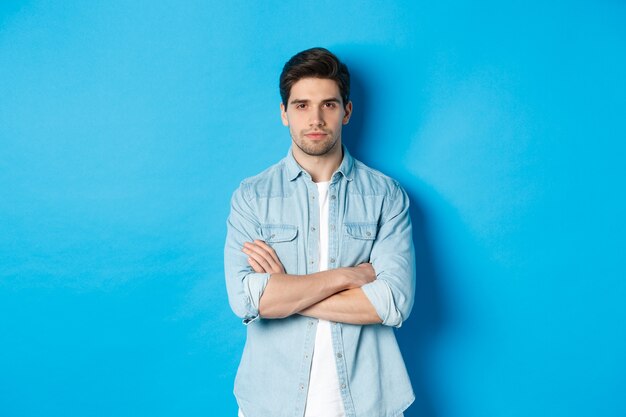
393, 259
244, 286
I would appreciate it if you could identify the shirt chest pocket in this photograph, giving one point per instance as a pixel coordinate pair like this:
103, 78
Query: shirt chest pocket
283, 238
357, 242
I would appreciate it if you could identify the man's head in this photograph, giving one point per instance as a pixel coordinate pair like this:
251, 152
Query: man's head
315, 89
315, 63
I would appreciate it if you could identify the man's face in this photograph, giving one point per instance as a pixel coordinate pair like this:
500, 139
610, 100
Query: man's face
315, 115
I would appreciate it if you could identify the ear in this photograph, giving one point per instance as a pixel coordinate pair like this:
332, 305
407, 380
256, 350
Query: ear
283, 115
348, 110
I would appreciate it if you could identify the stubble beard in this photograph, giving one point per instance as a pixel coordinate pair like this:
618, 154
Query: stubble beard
317, 148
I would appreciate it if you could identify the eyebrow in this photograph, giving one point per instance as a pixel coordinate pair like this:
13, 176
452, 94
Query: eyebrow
328, 100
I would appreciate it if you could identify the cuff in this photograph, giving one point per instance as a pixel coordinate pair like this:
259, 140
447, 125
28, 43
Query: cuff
381, 297
254, 285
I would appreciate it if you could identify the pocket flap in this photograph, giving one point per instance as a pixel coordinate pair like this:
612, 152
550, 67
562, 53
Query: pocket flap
362, 230
272, 233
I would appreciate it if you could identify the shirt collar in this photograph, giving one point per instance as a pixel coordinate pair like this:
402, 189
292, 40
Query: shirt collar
293, 169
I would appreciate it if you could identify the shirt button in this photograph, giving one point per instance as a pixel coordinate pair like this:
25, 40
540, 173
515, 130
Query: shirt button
310, 322
312, 229
343, 386
301, 387
368, 234
339, 355
273, 235
332, 260
312, 262
332, 197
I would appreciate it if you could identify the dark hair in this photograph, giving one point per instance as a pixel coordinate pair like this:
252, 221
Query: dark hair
314, 63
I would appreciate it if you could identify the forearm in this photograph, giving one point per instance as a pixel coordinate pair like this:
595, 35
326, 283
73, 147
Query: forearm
349, 306
287, 294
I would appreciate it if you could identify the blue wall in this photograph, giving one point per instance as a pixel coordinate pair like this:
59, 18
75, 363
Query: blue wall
124, 128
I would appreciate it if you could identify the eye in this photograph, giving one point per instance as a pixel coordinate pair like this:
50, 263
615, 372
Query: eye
330, 105
300, 106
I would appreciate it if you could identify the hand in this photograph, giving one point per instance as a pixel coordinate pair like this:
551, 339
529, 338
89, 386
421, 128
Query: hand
262, 257
360, 275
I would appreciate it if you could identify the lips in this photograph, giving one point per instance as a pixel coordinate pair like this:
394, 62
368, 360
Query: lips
316, 135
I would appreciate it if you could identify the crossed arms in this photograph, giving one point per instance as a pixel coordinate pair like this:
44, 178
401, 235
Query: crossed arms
381, 291
331, 295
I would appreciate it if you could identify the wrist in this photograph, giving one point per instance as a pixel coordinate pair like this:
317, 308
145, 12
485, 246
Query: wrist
336, 280
348, 278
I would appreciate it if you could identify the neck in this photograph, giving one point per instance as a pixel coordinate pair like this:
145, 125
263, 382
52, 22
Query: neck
320, 168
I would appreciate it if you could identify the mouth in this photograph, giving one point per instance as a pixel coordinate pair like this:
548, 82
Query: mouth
316, 135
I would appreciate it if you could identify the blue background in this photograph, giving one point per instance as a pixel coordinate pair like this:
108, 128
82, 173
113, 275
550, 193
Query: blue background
125, 127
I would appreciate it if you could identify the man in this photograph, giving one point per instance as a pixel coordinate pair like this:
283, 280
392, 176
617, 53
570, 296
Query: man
319, 264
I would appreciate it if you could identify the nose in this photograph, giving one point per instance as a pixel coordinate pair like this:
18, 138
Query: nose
316, 118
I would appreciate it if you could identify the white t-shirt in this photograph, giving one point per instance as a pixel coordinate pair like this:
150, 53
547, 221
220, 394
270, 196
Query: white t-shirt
324, 395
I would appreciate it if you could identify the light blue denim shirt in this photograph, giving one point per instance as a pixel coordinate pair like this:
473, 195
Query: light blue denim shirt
368, 222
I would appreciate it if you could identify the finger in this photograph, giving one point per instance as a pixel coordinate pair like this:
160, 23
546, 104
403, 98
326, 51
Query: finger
269, 249
262, 261
255, 248
255, 266
259, 260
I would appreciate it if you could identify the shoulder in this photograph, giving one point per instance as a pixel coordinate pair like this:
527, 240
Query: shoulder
263, 183
368, 180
